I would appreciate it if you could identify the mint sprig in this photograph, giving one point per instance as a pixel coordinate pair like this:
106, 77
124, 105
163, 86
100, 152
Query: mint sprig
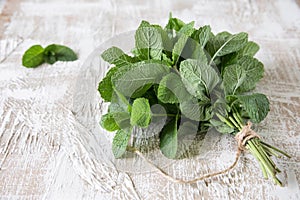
201, 79
37, 55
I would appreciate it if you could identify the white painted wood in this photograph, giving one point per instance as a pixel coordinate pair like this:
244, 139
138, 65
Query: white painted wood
51, 146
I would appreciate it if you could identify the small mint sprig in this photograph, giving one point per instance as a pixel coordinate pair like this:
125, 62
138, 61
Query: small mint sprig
37, 55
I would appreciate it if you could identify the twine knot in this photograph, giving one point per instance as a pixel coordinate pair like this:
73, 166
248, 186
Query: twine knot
244, 135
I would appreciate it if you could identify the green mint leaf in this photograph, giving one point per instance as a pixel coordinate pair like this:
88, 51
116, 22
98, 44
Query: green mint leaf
120, 142
198, 77
148, 42
129, 79
250, 49
33, 57
184, 34
204, 35
105, 87
256, 105
116, 56
120, 108
121, 118
108, 122
195, 110
168, 139
254, 71
171, 89
174, 24
221, 127
194, 51
55, 52
167, 60
233, 77
167, 42
140, 113
224, 43
186, 134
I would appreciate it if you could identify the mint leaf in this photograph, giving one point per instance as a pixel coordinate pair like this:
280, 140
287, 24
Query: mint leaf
194, 51
120, 109
224, 43
186, 136
140, 113
233, 77
120, 142
166, 40
198, 77
221, 127
256, 105
168, 139
195, 110
204, 35
55, 52
116, 56
105, 87
33, 57
184, 34
171, 89
130, 79
174, 24
254, 71
108, 122
250, 49
148, 42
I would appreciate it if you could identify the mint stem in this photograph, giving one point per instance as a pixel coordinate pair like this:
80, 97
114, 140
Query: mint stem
260, 150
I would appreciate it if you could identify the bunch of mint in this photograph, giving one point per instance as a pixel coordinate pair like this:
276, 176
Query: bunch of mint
201, 79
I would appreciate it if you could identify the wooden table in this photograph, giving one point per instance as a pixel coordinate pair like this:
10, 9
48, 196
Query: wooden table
50, 143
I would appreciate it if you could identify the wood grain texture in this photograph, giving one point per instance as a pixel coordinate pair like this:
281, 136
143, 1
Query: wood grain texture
51, 146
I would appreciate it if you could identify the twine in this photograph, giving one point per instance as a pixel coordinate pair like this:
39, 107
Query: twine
242, 137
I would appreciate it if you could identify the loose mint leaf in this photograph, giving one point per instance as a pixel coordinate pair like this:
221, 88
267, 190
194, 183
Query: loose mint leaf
148, 42
55, 52
224, 43
120, 142
171, 89
184, 34
204, 35
108, 122
129, 79
168, 139
105, 87
250, 49
116, 56
33, 57
233, 77
256, 105
198, 77
254, 71
140, 113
